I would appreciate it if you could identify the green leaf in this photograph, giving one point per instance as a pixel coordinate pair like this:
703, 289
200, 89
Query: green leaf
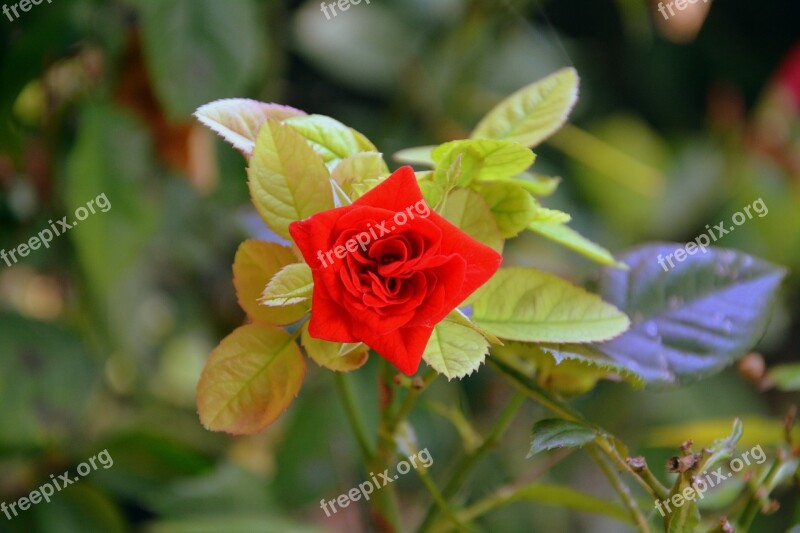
112, 156
457, 316
496, 159
360, 168
586, 354
546, 494
238, 120
455, 350
553, 433
81, 508
546, 215
288, 180
722, 448
785, 377
215, 50
328, 137
467, 210
527, 305
238, 523
755, 431
693, 320
293, 284
537, 184
431, 191
533, 113
255, 265
556, 231
458, 168
37, 405
364, 144
565, 369
334, 356
421, 155
513, 208
249, 380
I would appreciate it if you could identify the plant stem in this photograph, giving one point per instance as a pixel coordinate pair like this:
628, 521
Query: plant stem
620, 487
470, 459
603, 441
343, 386
760, 492
408, 403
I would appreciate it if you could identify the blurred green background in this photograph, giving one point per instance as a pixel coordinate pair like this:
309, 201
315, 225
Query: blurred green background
680, 124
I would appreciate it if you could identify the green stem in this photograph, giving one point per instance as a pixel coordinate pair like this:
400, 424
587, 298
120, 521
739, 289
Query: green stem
353, 413
434, 492
383, 504
759, 494
603, 440
471, 459
620, 487
408, 403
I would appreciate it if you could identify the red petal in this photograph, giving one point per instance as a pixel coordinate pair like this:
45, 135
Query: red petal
397, 192
403, 347
482, 261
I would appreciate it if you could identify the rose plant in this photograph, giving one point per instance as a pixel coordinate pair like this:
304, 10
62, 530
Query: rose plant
354, 277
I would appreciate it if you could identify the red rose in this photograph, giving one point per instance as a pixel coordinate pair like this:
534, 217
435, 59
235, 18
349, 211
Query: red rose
387, 269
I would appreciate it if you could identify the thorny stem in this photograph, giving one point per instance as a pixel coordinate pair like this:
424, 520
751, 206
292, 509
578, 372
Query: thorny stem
620, 487
412, 395
383, 504
471, 459
759, 495
603, 441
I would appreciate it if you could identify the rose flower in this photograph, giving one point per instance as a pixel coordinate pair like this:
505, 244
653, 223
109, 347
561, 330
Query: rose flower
387, 269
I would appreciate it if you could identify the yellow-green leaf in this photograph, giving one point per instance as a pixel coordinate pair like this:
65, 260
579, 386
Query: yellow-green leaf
288, 180
363, 167
496, 159
431, 191
524, 304
255, 265
364, 144
458, 168
556, 231
249, 380
457, 316
238, 120
455, 350
533, 113
467, 210
512, 206
328, 137
550, 216
334, 355
292, 285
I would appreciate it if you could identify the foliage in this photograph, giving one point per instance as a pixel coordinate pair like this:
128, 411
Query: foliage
105, 333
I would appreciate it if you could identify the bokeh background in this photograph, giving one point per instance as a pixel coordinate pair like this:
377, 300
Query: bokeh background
680, 124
